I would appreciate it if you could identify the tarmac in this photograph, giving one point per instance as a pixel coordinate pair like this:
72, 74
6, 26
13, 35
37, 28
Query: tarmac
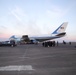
38, 60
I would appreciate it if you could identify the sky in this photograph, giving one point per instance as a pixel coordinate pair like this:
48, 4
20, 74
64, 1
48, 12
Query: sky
36, 17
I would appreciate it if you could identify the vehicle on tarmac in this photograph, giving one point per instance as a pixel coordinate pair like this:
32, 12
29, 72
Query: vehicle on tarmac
7, 43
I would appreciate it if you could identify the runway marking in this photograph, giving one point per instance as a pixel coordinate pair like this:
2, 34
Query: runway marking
16, 68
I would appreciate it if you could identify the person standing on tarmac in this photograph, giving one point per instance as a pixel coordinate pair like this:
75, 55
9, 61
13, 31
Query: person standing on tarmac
57, 43
50, 43
53, 43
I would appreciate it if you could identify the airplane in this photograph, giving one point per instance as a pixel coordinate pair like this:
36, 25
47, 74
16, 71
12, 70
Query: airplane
58, 33
11, 42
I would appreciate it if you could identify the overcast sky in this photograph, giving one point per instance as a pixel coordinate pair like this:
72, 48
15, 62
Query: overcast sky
36, 17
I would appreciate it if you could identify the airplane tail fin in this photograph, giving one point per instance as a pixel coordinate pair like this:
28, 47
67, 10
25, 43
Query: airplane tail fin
60, 31
61, 28
15, 38
12, 37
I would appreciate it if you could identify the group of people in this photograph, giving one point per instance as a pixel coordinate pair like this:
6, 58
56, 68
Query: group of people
48, 43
